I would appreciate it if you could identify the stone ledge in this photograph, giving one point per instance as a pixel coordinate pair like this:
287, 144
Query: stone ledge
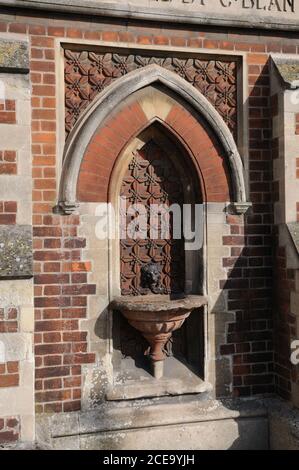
14, 56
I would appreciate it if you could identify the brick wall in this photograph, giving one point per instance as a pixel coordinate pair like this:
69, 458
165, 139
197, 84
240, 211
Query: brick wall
249, 290
9, 374
9, 429
8, 212
8, 162
9, 320
249, 269
61, 280
131, 120
8, 112
61, 291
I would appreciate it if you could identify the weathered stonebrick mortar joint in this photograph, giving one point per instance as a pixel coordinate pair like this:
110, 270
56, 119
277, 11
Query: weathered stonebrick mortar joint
8, 212
7, 112
9, 374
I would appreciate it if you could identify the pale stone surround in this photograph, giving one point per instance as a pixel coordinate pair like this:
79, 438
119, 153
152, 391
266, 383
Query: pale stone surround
19, 401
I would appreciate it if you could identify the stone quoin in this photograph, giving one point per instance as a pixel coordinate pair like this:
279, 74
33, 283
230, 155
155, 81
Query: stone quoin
116, 120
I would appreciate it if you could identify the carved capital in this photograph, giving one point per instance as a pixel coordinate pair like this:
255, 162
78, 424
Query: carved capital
65, 208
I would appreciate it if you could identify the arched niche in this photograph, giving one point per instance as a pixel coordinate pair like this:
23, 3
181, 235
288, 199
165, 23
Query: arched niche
186, 348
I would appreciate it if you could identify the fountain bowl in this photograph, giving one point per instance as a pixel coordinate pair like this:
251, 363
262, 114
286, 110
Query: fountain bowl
157, 317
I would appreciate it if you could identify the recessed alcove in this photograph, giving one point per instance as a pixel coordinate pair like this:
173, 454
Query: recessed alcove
155, 168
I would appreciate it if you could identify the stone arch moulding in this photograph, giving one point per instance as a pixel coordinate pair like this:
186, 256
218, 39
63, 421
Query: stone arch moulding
113, 96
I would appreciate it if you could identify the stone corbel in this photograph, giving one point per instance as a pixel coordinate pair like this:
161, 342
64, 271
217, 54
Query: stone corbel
241, 208
65, 208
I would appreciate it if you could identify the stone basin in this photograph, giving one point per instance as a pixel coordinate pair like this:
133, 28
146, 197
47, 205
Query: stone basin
157, 317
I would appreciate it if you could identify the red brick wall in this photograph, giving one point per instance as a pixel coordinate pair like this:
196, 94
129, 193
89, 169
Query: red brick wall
61, 290
249, 290
250, 266
9, 374
9, 430
8, 162
8, 112
61, 345
9, 320
8, 212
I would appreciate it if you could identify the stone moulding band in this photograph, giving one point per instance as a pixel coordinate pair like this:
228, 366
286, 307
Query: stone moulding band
126, 9
114, 95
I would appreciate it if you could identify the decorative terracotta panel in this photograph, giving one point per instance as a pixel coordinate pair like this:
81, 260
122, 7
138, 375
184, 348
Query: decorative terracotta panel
151, 179
88, 73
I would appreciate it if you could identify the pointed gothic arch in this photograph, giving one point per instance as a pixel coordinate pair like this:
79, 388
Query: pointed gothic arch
112, 97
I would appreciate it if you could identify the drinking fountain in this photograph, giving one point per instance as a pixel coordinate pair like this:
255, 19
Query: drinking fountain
156, 316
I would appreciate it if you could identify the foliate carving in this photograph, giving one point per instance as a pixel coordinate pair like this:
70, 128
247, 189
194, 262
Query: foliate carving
151, 178
88, 73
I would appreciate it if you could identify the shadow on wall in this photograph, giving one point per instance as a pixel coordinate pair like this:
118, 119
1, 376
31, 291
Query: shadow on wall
249, 284
248, 349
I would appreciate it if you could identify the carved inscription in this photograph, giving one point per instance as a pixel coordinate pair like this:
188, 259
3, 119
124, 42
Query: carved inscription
286, 6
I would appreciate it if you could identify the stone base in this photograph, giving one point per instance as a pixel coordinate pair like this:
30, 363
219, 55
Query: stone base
180, 423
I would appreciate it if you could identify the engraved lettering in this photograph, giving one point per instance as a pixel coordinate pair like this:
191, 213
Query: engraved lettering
259, 6
226, 3
289, 5
248, 4
278, 6
274, 5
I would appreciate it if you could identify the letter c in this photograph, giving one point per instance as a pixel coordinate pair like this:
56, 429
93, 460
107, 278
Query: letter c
226, 3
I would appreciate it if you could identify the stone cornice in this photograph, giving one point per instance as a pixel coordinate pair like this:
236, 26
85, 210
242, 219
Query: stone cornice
185, 13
